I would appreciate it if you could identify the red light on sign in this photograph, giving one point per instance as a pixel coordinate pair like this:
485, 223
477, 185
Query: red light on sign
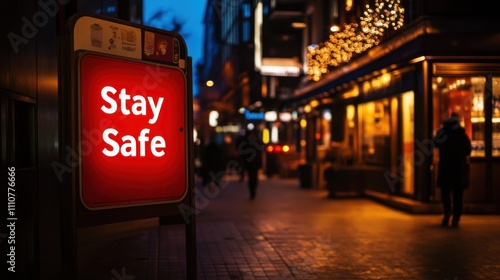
133, 141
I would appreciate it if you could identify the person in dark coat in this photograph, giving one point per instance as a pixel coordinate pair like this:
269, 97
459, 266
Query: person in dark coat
453, 169
241, 157
213, 162
252, 148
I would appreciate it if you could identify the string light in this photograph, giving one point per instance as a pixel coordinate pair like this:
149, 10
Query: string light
355, 37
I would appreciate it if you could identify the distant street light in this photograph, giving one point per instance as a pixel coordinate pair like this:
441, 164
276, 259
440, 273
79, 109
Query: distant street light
209, 83
335, 28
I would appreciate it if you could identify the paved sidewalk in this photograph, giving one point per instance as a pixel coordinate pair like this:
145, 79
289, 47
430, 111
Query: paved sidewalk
293, 233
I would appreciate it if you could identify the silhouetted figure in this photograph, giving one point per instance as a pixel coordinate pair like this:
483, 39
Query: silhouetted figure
251, 150
453, 170
241, 157
214, 162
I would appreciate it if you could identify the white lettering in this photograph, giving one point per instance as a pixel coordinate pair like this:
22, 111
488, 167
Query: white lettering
129, 144
142, 140
112, 103
128, 147
156, 109
113, 144
139, 106
158, 142
123, 101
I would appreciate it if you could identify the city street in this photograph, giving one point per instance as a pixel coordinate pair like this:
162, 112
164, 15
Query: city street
291, 233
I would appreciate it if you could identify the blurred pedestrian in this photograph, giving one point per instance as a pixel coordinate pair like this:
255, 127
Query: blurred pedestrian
214, 162
241, 157
251, 149
453, 169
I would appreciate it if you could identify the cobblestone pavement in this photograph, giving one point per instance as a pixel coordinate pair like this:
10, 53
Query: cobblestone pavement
291, 233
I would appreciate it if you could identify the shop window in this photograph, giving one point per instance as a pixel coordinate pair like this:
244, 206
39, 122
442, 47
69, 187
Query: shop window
407, 138
375, 132
342, 128
495, 117
465, 96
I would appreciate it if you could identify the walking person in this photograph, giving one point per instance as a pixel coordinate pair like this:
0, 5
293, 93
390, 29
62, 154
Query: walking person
252, 148
241, 157
453, 169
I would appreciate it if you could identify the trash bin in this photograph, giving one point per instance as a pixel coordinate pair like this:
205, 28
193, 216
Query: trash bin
329, 175
307, 176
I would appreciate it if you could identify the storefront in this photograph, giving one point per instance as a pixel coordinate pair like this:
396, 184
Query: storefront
384, 107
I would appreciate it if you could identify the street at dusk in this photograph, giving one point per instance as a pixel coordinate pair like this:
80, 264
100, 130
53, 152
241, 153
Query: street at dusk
250, 139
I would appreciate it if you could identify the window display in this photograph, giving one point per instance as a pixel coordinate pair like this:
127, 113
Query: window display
465, 96
375, 139
495, 151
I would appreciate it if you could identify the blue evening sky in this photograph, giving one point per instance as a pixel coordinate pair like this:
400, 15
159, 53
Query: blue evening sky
190, 13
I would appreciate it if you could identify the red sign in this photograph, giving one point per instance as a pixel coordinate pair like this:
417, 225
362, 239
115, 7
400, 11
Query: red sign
133, 132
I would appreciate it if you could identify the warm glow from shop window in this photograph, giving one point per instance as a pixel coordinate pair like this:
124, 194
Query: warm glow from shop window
303, 143
354, 92
265, 135
385, 79
327, 115
270, 116
258, 19
303, 123
348, 5
307, 109
366, 86
314, 103
299, 25
263, 90
285, 116
274, 134
350, 111
335, 28
212, 118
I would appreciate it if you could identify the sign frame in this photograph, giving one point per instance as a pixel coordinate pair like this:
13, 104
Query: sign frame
76, 214
103, 215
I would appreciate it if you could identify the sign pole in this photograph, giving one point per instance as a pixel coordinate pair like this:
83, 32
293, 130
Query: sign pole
191, 254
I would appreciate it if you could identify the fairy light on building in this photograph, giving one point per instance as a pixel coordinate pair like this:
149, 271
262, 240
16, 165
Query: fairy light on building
355, 37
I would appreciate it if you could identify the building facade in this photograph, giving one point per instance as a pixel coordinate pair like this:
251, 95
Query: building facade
254, 57
373, 113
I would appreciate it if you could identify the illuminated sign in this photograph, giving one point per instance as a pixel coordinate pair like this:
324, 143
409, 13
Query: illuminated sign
285, 67
134, 114
254, 115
